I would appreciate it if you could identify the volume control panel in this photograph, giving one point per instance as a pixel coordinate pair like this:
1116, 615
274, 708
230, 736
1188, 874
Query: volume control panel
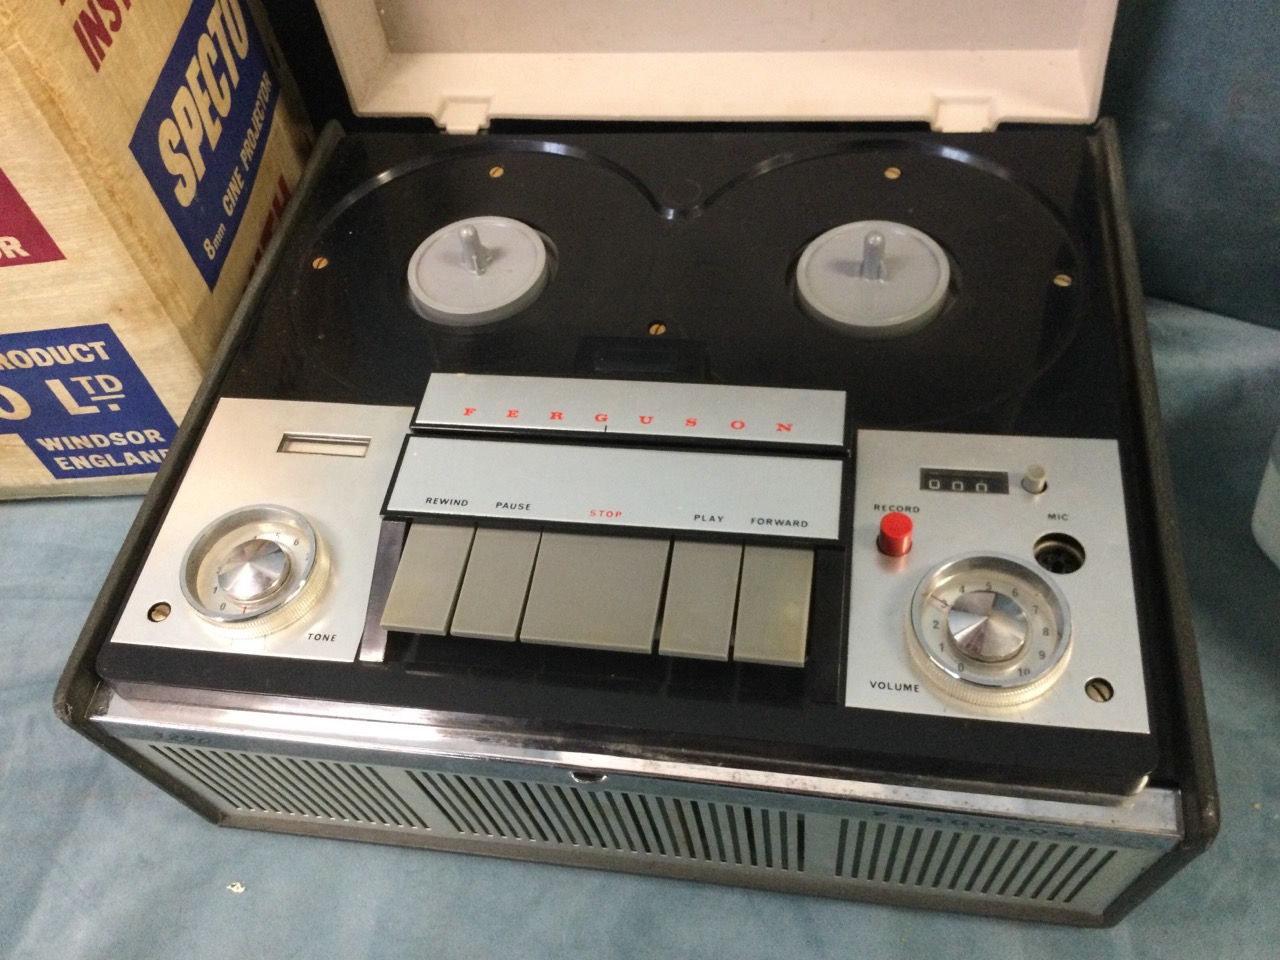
1012, 601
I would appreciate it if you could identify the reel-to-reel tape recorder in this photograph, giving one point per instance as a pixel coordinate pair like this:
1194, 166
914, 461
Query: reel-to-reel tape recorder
781, 508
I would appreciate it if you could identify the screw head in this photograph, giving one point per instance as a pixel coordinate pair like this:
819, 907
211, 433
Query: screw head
1099, 690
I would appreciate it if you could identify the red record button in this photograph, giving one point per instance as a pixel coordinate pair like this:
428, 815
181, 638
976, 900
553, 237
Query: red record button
895, 534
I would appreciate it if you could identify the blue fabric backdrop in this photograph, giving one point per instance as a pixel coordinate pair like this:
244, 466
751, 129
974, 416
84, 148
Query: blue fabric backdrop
1195, 87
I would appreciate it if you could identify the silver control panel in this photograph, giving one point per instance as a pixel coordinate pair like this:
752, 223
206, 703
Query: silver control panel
999, 587
607, 486
990, 575
269, 545
272, 541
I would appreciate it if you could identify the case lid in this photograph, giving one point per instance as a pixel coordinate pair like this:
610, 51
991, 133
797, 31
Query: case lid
961, 65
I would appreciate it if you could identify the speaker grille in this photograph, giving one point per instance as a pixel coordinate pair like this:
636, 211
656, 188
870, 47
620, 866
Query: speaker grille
973, 863
679, 826
628, 822
295, 786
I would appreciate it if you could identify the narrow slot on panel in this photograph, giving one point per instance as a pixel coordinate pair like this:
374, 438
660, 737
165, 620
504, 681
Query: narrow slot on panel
323, 444
319, 801
958, 873
1088, 855
731, 815
622, 823
840, 848
1053, 873
982, 863
860, 840
800, 842
946, 860
492, 792
662, 601
699, 850
396, 800
1035, 872
531, 813
672, 835
928, 857
604, 818
876, 843
999, 867
365, 799
1088, 877
553, 813
1022, 862
545, 813
715, 826
910, 857
443, 802
561, 803
654, 830
892, 859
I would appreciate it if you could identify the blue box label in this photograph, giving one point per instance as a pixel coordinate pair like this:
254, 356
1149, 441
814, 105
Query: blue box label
204, 129
81, 404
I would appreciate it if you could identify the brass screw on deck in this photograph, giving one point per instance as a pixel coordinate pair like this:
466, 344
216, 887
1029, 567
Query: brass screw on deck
319, 263
657, 329
1099, 690
496, 172
1062, 280
893, 173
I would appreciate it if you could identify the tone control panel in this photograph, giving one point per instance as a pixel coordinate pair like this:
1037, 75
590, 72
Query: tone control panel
991, 578
270, 543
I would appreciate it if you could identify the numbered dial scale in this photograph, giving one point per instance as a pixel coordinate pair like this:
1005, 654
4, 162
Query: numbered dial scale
988, 630
255, 570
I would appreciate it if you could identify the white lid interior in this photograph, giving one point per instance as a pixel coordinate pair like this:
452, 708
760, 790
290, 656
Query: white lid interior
960, 65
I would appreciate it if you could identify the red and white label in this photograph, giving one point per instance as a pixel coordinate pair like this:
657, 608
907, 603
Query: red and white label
23, 238
695, 411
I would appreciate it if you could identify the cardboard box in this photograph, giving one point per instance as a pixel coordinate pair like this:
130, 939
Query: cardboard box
147, 152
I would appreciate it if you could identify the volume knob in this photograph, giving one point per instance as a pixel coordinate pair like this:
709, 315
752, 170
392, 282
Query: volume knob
988, 630
987, 626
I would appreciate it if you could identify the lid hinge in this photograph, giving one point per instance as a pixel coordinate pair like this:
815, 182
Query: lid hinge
464, 115
970, 113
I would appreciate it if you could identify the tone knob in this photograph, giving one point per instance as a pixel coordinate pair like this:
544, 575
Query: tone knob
987, 626
253, 570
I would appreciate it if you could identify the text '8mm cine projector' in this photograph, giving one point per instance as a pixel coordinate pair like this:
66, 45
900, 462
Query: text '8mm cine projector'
773, 503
